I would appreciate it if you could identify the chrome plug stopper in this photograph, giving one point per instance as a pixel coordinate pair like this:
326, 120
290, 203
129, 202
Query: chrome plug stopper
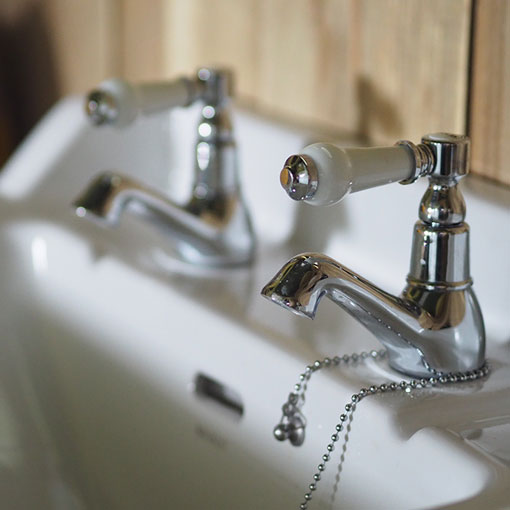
299, 177
294, 431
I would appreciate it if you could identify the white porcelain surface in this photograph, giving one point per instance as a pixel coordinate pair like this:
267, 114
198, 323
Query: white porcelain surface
103, 334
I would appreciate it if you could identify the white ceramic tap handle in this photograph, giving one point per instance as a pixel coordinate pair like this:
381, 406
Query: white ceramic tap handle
331, 172
117, 102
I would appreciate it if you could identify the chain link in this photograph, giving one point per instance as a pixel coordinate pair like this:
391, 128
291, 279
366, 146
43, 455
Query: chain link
294, 421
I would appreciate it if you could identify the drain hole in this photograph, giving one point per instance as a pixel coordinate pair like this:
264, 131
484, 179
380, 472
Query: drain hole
212, 389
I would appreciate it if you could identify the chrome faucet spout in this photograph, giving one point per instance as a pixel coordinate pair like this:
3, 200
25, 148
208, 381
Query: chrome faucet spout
423, 333
307, 278
218, 235
213, 228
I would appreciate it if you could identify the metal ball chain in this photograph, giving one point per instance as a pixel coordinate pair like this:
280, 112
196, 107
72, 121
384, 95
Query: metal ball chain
293, 422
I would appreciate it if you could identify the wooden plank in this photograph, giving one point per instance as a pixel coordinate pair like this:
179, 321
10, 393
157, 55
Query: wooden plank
306, 65
383, 69
218, 33
490, 93
412, 77
141, 39
84, 35
377, 69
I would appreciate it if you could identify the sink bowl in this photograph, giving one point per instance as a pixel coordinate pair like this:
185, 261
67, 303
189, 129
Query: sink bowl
131, 380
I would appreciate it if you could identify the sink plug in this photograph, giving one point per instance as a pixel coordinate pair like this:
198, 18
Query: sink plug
292, 425
293, 412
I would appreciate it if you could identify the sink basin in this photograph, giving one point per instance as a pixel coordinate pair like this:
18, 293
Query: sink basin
131, 380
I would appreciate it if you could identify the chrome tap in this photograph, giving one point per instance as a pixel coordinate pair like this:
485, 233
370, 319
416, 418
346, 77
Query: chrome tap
214, 228
435, 326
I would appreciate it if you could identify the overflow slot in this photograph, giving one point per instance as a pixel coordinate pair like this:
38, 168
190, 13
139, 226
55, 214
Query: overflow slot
211, 389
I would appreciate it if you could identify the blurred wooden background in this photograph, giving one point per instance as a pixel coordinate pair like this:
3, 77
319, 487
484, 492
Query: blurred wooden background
380, 70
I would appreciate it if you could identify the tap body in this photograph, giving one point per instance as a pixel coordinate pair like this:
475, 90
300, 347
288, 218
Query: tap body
426, 332
214, 227
435, 326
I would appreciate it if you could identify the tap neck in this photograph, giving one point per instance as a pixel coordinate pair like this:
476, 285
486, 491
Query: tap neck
440, 249
216, 172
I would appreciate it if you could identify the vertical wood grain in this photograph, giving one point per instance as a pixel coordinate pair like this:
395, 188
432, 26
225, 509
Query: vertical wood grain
376, 69
379, 69
412, 77
490, 92
141, 39
85, 41
219, 33
382, 69
306, 66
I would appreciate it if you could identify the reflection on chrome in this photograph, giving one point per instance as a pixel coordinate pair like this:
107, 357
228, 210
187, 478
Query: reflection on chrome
214, 228
435, 326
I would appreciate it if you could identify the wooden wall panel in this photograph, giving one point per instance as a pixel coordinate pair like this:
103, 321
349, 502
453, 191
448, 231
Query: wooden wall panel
378, 70
85, 40
307, 66
490, 93
382, 69
412, 77
141, 36
219, 32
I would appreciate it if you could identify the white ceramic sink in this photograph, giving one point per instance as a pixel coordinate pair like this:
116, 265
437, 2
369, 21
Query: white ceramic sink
104, 335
